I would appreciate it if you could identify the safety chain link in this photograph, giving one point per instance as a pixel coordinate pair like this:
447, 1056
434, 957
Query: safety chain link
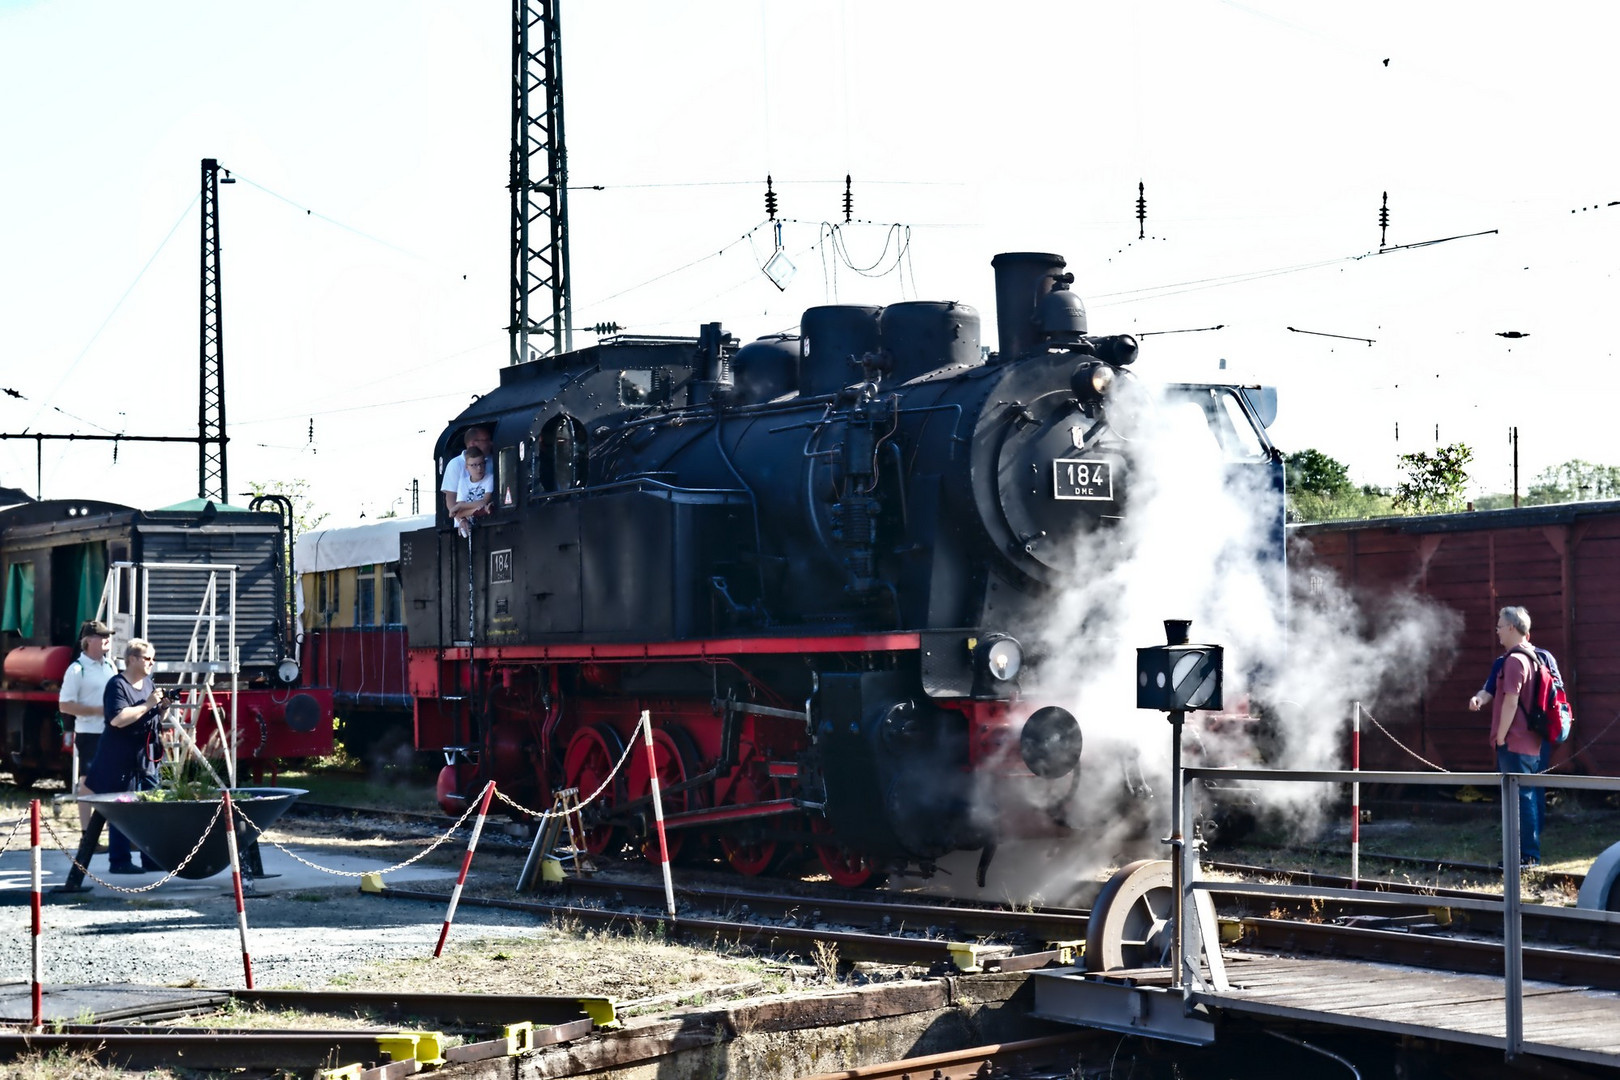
1397, 742
16, 827
362, 873
165, 879
542, 815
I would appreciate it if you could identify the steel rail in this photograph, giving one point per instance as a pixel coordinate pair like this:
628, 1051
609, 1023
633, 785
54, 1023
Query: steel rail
202, 1049
882, 948
1363, 884
1041, 925
232, 1049
973, 1063
445, 1007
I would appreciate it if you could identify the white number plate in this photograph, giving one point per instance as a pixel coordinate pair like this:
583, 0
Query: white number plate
1073, 478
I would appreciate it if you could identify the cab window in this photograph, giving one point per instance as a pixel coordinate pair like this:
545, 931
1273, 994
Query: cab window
562, 456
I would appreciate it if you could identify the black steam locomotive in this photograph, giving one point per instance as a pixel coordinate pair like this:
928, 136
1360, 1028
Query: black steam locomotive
815, 561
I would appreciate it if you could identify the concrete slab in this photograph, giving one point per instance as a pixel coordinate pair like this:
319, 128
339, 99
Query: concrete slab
282, 874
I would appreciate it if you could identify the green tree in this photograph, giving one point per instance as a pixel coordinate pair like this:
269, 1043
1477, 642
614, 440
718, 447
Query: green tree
1319, 489
297, 491
1434, 482
1314, 471
1574, 481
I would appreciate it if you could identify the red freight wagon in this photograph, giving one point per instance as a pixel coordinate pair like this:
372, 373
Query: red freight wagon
1561, 562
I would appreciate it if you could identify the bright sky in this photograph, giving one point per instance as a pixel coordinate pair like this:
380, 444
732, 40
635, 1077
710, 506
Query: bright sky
1265, 133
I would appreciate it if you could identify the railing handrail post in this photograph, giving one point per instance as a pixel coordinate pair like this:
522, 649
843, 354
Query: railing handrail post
1512, 927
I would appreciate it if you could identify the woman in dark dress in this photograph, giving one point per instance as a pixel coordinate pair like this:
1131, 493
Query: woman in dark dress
133, 706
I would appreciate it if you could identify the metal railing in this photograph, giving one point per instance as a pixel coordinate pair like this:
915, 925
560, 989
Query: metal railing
1509, 906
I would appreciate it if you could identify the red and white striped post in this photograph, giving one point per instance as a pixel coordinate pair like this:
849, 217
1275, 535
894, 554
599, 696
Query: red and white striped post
1355, 797
466, 862
658, 813
38, 989
236, 886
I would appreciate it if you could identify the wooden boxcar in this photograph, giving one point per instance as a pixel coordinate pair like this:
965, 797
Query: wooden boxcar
1561, 562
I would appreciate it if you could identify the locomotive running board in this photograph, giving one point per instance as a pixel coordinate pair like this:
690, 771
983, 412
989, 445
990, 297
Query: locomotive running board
692, 818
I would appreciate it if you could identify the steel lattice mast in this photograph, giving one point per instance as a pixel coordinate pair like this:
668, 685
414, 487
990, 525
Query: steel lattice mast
540, 282
211, 481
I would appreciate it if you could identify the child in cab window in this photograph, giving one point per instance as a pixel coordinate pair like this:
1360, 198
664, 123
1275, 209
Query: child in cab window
474, 493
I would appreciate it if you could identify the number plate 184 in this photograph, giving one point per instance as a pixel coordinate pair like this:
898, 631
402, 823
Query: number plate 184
1073, 478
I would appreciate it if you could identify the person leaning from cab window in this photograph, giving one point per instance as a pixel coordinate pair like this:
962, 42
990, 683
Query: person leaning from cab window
83, 686
475, 493
132, 706
455, 470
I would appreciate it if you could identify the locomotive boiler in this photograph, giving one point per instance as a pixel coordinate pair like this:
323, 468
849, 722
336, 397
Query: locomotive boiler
816, 560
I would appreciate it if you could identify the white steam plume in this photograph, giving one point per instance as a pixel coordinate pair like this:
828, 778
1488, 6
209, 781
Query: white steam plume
1198, 542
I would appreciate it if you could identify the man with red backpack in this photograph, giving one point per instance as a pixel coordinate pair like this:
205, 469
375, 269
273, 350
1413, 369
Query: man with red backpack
1518, 749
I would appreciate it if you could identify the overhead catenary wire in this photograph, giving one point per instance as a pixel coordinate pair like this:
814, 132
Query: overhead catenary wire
68, 371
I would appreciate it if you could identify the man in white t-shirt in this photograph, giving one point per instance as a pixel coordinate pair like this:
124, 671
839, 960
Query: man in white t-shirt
83, 687
455, 470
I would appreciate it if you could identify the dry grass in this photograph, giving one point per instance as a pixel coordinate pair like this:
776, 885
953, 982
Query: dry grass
567, 961
63, 1065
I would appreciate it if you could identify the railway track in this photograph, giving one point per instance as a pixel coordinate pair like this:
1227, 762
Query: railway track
487, 1025
894, 947
955, 920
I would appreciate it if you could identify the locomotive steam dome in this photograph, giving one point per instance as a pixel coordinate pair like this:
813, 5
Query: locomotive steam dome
765, 369
836, 336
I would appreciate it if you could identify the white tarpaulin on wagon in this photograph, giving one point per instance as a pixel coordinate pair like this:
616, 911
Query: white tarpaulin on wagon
351, 545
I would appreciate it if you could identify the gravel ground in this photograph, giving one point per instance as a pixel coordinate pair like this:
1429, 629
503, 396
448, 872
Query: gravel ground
306, 939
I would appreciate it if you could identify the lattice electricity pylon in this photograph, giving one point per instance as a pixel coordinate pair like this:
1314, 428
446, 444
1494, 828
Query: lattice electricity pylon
541, 309
211, 481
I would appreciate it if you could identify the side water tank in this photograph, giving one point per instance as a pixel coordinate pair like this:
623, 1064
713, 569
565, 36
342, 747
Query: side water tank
835, 338
765, 369
925, 335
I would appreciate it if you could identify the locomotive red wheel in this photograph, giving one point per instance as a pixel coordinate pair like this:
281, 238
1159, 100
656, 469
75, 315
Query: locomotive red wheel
677, 763
750, 854
848, 868
592, 753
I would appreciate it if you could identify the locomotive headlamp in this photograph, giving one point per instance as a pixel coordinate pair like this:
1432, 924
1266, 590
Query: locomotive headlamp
1092, 380
287, 671
1002, 657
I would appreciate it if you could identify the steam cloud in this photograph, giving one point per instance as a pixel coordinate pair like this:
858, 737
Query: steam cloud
1197, 543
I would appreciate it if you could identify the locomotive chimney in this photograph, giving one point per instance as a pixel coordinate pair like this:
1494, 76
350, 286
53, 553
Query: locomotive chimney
1022, 279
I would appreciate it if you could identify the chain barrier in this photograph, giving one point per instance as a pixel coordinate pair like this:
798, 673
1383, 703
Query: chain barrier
1587, 744
260, 835
164, 880
543, 815
1403, 746
16, 827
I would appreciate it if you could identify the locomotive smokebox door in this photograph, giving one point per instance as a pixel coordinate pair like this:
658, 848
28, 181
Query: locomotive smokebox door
1178, 677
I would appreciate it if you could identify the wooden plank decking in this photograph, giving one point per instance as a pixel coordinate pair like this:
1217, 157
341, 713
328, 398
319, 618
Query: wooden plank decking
1573, 1022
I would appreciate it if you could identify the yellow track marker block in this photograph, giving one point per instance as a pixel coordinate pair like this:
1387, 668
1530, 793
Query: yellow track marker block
601, 1011
519, 1038
371, 883
965, 956
425, 1046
